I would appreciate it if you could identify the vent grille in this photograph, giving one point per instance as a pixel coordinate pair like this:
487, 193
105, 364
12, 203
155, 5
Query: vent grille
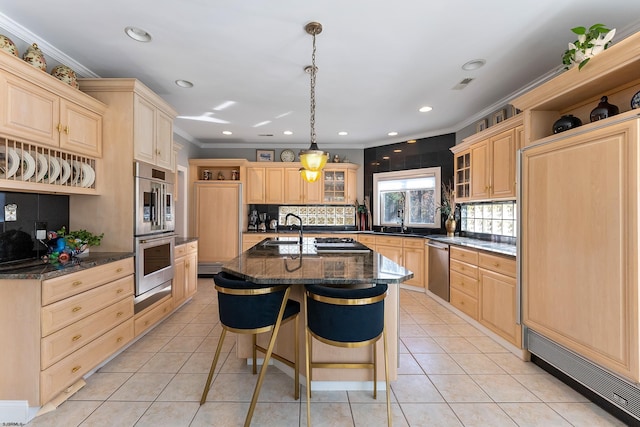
463, 83
619, 392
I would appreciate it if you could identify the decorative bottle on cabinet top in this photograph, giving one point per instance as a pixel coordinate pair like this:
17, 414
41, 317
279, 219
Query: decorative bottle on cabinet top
604, 110
35, 57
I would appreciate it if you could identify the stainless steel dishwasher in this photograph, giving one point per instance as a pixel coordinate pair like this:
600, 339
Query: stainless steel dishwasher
438, 269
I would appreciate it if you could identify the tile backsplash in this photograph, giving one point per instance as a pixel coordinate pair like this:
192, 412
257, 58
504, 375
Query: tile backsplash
320, 215
498, 218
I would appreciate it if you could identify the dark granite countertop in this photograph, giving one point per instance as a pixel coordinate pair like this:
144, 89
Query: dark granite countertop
496, 247
45, 270
301, 264
183, 240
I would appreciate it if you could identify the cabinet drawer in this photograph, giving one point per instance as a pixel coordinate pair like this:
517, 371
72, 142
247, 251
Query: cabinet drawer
70, 369
66, 341
499, 264
180, 251
464, 303
149, 318
389, 241
464, 268
63, 313
413, 242
71, 284
466, 255
192, 247
464, 284
367, 240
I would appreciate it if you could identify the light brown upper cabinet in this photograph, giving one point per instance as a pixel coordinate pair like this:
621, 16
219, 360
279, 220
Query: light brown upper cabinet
299, 191
153, 133
265, 185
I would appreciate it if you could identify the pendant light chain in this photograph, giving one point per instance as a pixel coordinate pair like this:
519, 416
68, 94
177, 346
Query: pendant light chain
313, 91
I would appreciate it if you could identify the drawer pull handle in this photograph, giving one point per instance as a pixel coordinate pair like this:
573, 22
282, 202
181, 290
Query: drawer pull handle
146, 323
119, 339
120, 313
119, 291
119, 270
75, 369
76, 338
76, 309
77, 283
496, 264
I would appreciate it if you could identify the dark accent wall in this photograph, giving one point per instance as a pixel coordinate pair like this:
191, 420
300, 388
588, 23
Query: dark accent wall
17, 238
424, 153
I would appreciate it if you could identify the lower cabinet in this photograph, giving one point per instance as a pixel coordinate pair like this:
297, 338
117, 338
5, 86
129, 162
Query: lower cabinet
483, 286
406, 251
60, 329
185, 280
153, 314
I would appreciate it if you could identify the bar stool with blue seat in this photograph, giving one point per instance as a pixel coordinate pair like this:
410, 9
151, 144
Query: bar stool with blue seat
345, 317
248, 308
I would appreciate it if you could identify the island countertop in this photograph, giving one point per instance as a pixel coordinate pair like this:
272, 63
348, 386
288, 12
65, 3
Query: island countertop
302, 264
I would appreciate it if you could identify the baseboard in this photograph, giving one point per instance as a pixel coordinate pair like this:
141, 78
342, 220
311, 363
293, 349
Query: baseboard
16, 412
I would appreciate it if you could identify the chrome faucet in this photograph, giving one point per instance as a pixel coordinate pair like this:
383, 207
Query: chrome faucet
286, 221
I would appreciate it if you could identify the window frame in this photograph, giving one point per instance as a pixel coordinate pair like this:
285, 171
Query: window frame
433, 172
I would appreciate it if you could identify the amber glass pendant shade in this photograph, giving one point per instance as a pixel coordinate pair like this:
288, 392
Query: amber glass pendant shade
309, 176
313, 160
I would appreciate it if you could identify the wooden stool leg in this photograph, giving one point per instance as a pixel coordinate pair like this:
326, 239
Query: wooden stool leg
213, 367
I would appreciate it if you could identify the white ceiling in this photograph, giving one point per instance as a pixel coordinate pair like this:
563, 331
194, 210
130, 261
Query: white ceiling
379, 61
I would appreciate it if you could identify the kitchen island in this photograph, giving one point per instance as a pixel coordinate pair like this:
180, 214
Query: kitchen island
276, 261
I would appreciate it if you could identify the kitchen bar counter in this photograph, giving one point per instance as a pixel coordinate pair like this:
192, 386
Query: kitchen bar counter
41, 270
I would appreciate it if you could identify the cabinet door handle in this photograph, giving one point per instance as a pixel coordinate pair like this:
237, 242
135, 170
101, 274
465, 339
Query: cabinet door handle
76, 338
76, 309
119, 291
120, 313
119, 339
67, 130
77, 283
119, 270
59, 127
75, 369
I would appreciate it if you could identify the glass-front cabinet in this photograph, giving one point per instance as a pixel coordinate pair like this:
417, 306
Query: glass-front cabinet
463, 175
334, 182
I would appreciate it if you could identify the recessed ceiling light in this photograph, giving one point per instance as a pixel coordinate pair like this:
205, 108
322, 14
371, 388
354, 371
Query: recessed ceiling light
425, 109
392, 133
397, 150
385, 157
184, 83
227, 132
474, 64
138, 34
288, 132
411, 141
343, 133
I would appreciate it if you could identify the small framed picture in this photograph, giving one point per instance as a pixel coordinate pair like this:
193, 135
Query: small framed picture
499, 116
481, 125
265, 155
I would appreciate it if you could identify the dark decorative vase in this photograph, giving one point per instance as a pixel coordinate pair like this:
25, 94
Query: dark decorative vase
566, 122
604, 110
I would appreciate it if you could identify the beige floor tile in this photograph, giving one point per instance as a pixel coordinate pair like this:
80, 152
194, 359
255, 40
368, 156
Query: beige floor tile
408, 365
375, 414
232, 388
482, 415
166, 363
513, 365
440, 330
466, 330
477, 364
142, 387
366, 396
276, 414
438, 364
328, 415
184, 388
454, 345
128, 413
200, 363
430, 415
412, 330
169, 414
428, 318
234, 365
534, 415
127, 361
197, 330
210, 343
415, 388
166, 330
422, 345
459, 388
278, 387
322, 396
504, 388
181, 344
149, 344
586, 414
227, 414
487, 345
70, 413
101, 385
550, 389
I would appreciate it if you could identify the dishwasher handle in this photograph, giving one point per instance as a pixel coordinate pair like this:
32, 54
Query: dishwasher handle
438, 245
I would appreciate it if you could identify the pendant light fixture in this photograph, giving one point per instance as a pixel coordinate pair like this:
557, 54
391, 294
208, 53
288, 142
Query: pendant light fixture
313, 159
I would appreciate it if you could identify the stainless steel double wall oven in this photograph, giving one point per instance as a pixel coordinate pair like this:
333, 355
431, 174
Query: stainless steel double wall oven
154, 233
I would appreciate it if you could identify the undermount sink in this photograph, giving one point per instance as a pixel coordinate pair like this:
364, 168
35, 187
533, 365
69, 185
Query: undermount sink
278, 242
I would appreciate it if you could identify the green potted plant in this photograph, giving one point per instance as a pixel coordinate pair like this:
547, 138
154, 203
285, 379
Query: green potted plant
590, 42
80, 240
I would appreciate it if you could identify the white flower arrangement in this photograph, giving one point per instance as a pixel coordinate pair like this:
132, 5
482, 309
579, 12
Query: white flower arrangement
590, 42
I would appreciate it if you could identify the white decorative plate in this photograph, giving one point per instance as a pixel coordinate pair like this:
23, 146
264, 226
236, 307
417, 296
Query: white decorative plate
54, 169
66, 171
12, 162
87, 175
28, 164
42, 168
76, 173
93, 176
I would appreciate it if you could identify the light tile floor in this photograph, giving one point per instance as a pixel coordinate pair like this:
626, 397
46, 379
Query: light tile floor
451, 374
